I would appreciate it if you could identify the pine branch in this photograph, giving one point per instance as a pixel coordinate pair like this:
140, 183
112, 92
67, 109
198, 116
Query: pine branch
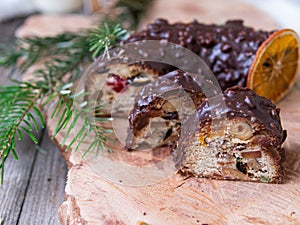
81, 117
67, 53
104, 38
16, 103
64, 53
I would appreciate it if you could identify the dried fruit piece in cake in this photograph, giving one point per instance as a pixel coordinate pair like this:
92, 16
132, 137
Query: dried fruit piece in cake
161, 107
246, 145
105, 84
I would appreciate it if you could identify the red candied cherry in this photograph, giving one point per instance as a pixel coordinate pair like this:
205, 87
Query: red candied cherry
116, 82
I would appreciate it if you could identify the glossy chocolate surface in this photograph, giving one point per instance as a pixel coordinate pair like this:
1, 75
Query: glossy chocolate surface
151, 97
245, 103
228, 49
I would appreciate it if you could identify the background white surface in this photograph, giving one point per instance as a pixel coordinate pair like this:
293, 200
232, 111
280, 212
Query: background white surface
285, 12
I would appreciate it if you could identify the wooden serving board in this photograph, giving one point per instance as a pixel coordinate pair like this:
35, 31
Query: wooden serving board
90, 199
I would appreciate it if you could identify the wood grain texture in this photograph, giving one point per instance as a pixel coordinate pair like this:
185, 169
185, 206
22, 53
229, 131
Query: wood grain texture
90, 199
23, 178
17, 173
34, 185
187, 200
16, 181
50, 25
46, 188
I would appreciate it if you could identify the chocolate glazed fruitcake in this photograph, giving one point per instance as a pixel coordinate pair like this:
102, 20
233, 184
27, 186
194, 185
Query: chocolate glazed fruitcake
228, 49
118, 79
246, 145
235, 53
161, 107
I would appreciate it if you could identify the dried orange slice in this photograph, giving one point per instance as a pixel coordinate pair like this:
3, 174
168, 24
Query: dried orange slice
275, 65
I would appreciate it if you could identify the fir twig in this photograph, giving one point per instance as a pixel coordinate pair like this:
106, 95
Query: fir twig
67, 53
104, 38
64, 53
16, 103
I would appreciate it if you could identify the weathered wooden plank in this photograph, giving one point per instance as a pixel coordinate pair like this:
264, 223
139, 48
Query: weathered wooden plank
46, 188
21, 182
7, 28
16, 181
17, 174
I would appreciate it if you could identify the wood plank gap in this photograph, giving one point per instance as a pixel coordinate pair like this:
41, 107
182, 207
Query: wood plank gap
40, 140
46, 189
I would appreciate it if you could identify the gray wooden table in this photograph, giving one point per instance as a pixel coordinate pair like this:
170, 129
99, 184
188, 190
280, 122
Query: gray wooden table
33, 186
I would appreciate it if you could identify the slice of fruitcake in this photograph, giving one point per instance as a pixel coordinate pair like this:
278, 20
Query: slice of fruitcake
105, 84
245, 145
161, 107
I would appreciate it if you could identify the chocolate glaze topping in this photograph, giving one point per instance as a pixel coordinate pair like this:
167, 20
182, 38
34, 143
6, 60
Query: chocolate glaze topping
172, 81
228, 49
245, 103
172, 84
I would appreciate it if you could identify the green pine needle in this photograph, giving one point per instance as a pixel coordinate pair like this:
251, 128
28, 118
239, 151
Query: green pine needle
104, 38
67, 53
22, 103
16, 103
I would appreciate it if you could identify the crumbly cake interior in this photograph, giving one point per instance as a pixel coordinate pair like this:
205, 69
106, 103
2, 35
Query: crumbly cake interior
120, 79
157, 132
161, 108
234, 152
158, 126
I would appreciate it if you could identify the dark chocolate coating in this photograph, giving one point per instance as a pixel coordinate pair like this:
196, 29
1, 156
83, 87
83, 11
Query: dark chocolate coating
171, 81
227, 49
241, 105
245, 103
149, 99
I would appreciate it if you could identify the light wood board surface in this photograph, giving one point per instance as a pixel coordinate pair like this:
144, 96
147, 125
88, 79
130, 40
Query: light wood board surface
181, 200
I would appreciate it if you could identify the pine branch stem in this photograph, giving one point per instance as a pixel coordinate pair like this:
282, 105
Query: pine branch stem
67, 53
13, 130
